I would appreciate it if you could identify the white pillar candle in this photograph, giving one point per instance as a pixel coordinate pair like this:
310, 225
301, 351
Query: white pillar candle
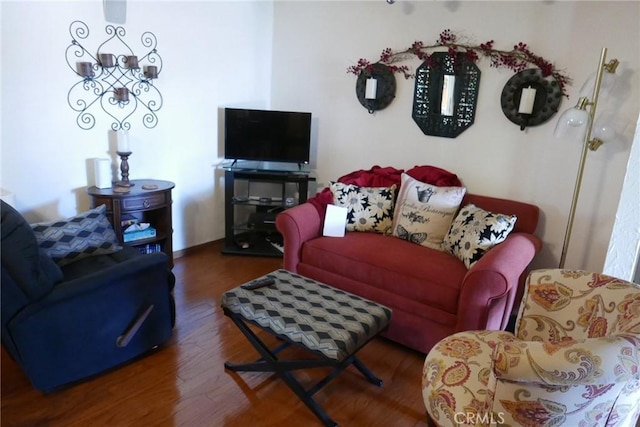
527, 99
102, 171
447, 103
371, 89
122, 138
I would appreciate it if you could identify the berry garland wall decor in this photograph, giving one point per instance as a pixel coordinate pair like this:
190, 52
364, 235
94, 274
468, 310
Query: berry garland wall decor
517, 59
462, 55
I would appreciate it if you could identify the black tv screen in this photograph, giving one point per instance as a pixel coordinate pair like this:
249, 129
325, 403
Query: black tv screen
264, 135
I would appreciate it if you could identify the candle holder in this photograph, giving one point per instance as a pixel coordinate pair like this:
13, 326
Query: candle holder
121, 94
524, 120
459, 112
151, 72
114, 80
374, 99
540, 108
124, 169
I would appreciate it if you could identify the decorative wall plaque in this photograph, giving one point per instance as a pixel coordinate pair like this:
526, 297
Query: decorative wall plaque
548, 96
113, 79
385, 90
433, 83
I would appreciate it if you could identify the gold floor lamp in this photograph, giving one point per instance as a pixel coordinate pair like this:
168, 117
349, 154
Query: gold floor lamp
577, 122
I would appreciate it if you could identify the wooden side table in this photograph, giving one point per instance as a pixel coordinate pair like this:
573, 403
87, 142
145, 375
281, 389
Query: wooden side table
148, 201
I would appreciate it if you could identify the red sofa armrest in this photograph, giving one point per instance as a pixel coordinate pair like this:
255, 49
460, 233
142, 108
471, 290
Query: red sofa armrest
297, 225
489, 288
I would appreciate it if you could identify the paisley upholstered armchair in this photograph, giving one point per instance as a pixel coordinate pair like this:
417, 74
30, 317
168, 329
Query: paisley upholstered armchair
573, 361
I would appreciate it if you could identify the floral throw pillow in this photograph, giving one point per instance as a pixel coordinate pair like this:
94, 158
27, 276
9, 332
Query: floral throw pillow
368, 208
424, 212
475, 231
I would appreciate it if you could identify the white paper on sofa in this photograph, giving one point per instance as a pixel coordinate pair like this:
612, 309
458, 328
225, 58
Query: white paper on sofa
335, 221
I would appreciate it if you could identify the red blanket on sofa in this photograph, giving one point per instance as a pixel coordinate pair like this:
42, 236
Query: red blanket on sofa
385, 177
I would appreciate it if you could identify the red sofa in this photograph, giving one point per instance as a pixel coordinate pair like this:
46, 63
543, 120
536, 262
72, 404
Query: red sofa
432, 293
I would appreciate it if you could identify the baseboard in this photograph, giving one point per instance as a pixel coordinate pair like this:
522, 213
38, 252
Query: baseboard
197, 248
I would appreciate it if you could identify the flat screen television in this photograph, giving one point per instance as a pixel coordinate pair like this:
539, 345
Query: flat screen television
265, 135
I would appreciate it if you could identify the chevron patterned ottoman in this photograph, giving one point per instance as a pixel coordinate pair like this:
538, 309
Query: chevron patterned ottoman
328, 322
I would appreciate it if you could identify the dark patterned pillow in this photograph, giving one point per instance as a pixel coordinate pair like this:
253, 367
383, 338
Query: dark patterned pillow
368, 208
89, 233
475, 231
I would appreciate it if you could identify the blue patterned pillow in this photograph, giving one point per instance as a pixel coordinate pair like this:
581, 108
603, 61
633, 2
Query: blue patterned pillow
89, 233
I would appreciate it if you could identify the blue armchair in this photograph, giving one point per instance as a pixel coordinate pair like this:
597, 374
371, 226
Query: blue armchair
65, 324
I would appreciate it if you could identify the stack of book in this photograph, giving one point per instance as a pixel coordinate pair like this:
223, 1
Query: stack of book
151, 248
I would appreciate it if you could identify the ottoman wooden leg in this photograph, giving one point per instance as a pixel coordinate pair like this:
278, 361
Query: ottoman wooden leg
269, 362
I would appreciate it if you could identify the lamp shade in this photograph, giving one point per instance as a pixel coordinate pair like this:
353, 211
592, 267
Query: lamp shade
605, 129
572, 124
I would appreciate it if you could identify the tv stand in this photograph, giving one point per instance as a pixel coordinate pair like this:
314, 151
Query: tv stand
250, 218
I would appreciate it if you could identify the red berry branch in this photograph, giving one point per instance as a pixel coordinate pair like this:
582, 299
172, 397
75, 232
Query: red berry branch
517, 59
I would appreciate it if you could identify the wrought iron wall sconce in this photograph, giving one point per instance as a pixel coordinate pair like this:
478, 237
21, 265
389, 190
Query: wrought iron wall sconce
529, 99
446, 94
376, 87
114, 83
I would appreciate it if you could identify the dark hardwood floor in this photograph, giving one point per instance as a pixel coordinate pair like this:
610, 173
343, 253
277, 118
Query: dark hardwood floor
184, 383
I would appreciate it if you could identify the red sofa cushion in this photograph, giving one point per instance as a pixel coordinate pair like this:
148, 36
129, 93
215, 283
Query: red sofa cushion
420, 274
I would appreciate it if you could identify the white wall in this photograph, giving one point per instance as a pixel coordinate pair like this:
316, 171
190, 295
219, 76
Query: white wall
294, 55
315, 42
214, 54
623, 254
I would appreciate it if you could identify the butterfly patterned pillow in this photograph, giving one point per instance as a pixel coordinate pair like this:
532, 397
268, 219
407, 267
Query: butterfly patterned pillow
368, 208
475, 231
424, 212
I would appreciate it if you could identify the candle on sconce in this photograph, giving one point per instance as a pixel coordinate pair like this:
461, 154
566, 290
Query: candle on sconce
84, 69
122, 141
527, 99
106, 60
122, 94
371, 88
151, 72
447, 103
132, 62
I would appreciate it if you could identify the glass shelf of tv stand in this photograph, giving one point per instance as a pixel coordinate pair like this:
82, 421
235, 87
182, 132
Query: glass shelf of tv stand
260, 166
